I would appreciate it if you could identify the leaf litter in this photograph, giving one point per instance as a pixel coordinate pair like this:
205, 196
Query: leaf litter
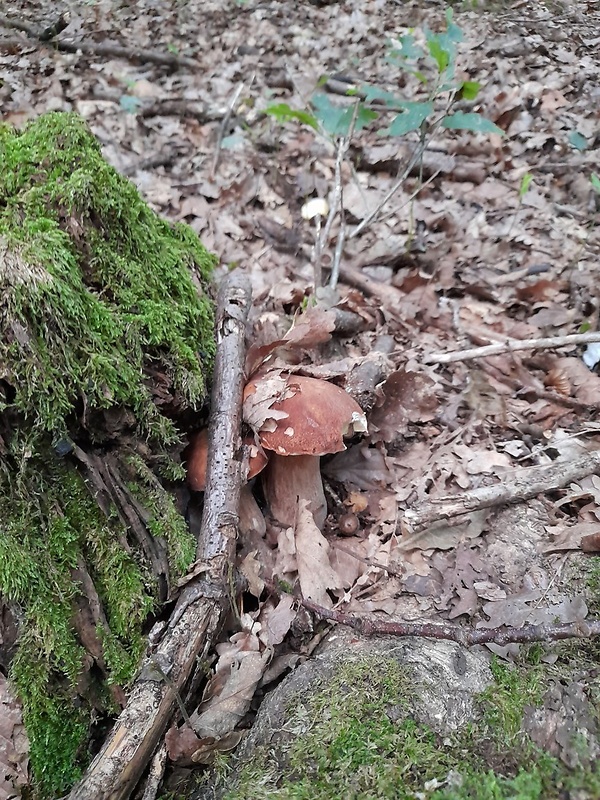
458, 260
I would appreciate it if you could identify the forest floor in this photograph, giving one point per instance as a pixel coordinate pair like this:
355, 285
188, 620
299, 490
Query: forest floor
491, 237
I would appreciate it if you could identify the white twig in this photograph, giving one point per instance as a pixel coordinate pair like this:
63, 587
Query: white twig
339, 247
317, 271
336, 204
410, 198
512, 346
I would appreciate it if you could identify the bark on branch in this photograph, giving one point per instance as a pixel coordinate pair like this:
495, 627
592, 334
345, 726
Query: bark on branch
523, 485
201, 610
468, 637
513, 346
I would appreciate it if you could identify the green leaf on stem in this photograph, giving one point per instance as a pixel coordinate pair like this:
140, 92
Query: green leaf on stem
410, 119
470, 121
283, 113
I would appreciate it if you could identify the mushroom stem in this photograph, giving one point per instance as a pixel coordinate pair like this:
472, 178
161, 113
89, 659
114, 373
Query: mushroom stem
251, 517
288, 478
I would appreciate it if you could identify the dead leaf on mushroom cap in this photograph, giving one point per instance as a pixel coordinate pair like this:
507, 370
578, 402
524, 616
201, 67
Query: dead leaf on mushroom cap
314, 326
260, 395
316, 418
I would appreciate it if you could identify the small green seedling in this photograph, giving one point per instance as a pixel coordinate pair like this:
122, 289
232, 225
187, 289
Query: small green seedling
434, 68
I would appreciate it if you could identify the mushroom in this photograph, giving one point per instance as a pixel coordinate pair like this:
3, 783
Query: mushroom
196, 458
318, 415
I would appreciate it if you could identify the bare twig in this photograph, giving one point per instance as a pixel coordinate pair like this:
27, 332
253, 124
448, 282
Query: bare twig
411, 196
128, 53
414, 159
457, 633
18, 25
339, 248
513, 346
224, 124
336, 203
202, 607
522, 485
317, 269
390, 296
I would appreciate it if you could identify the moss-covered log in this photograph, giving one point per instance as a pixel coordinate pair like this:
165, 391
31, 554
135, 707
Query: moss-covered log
106, 339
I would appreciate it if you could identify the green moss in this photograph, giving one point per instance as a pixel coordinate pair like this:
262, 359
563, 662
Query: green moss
98, 291
356, 740
106, 334
45, 537
166, 524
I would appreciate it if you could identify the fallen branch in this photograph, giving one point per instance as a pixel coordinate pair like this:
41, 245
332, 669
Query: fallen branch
389, 295
97, 48
513, 346
203, 604
457, 633
523, 485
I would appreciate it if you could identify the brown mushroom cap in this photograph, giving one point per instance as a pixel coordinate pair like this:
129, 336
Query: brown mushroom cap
196, 459
319, 415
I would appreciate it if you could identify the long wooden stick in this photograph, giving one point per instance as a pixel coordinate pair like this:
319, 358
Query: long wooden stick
513, 346
584, 629
202, 607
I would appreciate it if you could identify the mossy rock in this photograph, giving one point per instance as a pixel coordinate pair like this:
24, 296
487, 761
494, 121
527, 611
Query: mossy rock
398, 719
106, 342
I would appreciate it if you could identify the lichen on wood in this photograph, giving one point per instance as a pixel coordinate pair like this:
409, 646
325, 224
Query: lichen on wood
106, 341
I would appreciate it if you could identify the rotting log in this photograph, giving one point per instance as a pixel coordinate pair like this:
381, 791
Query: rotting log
203, 605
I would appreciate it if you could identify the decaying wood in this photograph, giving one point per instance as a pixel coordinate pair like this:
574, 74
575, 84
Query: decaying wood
520, 486
584, 629
201, 610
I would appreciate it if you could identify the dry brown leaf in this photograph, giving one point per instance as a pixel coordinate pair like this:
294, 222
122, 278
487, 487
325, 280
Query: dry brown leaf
516, 611
250, 568
285, 560
186, 749
275, 619
309, 329
571, 537
14, 744
405, 397
315, 572
585, 384
362, 466
476, 460
257, 410
242, 663
443, 535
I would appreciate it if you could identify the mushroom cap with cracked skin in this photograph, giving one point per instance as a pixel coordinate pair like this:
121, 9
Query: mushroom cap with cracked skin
319, 415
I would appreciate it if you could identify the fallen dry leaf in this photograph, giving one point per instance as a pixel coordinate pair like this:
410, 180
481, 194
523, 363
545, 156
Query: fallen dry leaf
242, 662
275, 618
315, 573
14, 744
405, 397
